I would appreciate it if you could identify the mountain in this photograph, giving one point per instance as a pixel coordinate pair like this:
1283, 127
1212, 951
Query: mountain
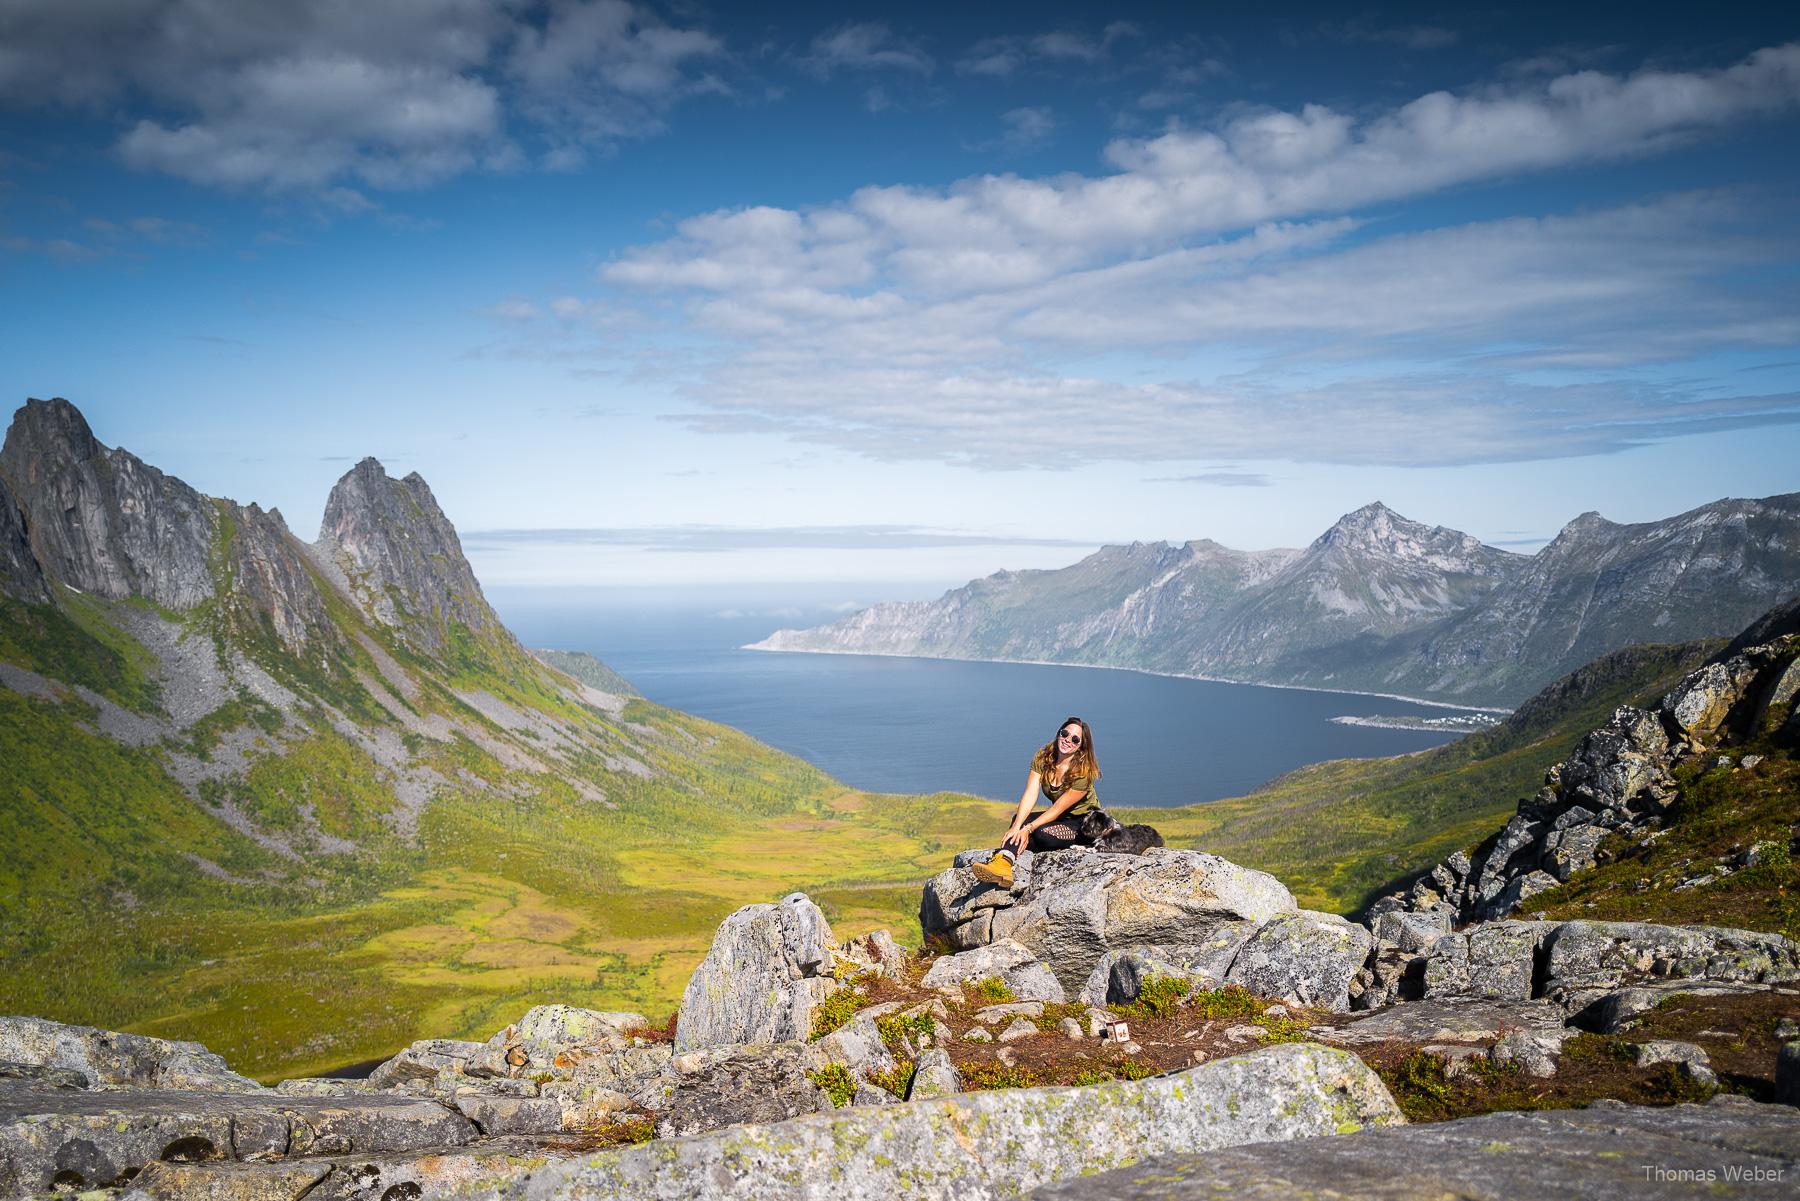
308, 802
1377, 603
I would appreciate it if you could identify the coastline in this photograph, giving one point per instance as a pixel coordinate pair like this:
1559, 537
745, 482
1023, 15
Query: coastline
1170, 675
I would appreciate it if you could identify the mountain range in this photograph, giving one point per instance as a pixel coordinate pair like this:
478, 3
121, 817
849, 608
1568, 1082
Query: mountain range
306, 802
1377, 603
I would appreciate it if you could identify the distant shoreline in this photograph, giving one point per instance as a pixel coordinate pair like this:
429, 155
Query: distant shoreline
1169, 675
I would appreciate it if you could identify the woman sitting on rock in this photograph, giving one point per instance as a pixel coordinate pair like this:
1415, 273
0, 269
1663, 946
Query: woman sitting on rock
1065, 770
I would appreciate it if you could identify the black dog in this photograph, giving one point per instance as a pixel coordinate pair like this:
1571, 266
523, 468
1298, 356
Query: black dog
1129, 840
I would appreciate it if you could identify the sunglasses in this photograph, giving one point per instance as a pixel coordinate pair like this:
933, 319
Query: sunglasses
1074, 739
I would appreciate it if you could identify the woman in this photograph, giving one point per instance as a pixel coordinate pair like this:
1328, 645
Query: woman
1065, 771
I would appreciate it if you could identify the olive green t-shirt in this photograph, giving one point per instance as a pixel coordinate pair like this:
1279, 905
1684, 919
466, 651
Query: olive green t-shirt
1043, 764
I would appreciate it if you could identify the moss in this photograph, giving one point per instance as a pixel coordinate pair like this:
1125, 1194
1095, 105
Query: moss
837, 1082
838, 1008
989, 990
1158, 997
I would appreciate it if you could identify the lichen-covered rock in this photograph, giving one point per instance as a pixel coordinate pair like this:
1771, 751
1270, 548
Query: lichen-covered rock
751, 1084
857, 1045
1120, 974
1698, 706
1728, 1148
1457, 1020
21, 577
876, 951
1007, 961
424, 1060
62, 1137
1305, 957
1586, 960
1571, 849
1518, 890
552, 1040
109, 1059
769, 966
1078, 904
496, 1116
1494, 961
1412, 932
1610, 767
934, 1076
1535, 1051
987, 1145
381, 1176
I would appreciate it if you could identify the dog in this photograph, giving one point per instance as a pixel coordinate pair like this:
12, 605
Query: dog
1114, 839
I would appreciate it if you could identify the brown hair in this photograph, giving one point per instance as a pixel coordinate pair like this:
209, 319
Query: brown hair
1081, 763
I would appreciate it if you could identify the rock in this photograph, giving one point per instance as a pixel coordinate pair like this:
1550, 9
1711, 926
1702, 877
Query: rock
927, 1149
109, 1059
1119, 975
1782, 691
1459, 1058
1304, 957
393, 1176
90, 1139
1007, 961
1787, 1073
1071, 1029
870, 1094
47, 1076
1412, 932
768, 967
1516, 838
978, 1034
1533, 1050
1615, 764
1075, 905
1517, 891
934, 1076
1749, 762
323, 1086
857, 1044
993, 1014
1697, 707
1787, 1030
1728, 1148
1495, 961
1670, 1051
954, 898
1444, 1021
753, 1084
1571, 850
1584, 960
552, 1039
1616, 1011
424, 1060
21, 576
1020, 1028
876, 952
495, 1116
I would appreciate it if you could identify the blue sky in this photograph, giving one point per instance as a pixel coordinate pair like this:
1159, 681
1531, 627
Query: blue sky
745, 295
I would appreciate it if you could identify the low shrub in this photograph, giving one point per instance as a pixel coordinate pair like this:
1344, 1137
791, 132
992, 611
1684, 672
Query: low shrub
990, 990
837, 1082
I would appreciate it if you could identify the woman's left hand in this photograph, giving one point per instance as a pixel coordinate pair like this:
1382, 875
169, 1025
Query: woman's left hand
1016, 839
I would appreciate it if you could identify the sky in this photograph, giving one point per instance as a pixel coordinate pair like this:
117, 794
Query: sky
741, 296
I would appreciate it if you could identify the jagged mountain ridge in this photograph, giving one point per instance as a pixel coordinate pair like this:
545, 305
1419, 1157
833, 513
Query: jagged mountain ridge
298, 799
1377, 603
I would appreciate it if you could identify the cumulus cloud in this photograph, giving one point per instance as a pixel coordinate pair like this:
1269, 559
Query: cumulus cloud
331, 95
1005, 56
953, 322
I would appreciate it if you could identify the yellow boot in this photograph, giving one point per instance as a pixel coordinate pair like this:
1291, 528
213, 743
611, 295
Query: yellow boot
996, 871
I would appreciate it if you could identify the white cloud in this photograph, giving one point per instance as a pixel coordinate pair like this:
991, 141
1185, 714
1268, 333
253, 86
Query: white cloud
865, 46
960, 321
316, 94
1004, 56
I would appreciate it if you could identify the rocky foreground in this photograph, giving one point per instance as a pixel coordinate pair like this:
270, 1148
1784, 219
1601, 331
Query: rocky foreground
1168, 1025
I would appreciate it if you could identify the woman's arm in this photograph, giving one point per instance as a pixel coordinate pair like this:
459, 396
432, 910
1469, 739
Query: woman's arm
1014, 831
1055, 811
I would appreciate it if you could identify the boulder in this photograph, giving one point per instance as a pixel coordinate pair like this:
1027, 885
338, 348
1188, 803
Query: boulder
1458, 1020
934, 1076
876, 952
1518, 890
987, 1145
496, 1116
1410, 931
64, 1138
1535, 1051
1730, 1147
1495, 961
768, 967
1697, 707
424, 1060
109, 1059
1120, 975
1571, 849
1613, 765
1007, 961
1585, 960
1078, 904
1305, 957
857, 1044
551, 1040
1787, 1073
758, 1084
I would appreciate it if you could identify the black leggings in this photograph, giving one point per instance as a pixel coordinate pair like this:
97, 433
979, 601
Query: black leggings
1056, 836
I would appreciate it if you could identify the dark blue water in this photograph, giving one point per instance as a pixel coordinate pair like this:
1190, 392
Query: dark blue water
924, 725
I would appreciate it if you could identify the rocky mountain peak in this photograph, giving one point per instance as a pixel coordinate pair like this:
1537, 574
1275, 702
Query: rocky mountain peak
103, 520
20, 575
401, 557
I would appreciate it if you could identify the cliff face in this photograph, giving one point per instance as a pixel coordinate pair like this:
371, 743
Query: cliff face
20, 575
1377, 603
103, 520
401, 558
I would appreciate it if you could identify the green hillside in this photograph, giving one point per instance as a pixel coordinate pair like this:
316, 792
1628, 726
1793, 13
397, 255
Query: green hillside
1341, 833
